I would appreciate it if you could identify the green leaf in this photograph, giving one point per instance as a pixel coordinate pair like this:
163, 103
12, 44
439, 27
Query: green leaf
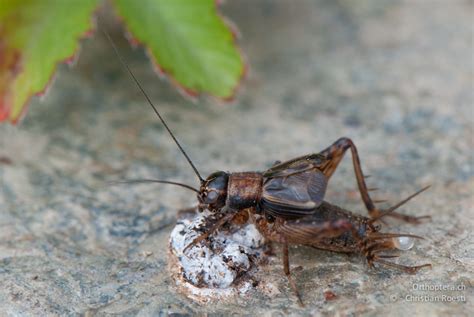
35, 35
189, 41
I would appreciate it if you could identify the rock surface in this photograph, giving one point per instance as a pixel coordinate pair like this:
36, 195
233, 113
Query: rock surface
395, 76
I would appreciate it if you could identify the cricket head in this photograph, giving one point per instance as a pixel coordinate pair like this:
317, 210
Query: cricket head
213, 191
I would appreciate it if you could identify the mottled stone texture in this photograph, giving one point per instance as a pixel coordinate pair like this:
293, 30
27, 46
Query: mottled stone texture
395, 76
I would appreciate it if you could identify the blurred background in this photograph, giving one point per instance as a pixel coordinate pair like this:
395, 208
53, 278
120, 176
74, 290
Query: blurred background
394, 76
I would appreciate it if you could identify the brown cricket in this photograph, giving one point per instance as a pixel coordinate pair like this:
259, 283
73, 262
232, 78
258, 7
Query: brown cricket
329, 227
286, 203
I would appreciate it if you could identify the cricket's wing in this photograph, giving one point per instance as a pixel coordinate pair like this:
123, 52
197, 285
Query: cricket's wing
293, 196
296, 165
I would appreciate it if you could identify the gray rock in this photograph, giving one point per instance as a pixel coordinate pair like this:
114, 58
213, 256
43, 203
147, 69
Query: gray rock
394, 76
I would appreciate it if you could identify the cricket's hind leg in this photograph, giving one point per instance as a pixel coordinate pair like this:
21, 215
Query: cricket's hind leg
390, 212
334, 155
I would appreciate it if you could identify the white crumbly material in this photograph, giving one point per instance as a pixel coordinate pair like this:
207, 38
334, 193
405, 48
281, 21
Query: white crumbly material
211, 269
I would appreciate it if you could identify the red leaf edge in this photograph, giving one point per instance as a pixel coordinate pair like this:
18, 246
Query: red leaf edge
5, 111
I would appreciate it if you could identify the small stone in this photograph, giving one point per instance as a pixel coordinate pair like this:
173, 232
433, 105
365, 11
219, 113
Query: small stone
328, 295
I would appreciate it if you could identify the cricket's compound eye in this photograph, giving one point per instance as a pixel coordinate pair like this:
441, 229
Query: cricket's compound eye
213, 192
211, 197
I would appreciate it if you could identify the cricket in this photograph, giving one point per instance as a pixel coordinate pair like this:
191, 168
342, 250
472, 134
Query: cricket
286, 204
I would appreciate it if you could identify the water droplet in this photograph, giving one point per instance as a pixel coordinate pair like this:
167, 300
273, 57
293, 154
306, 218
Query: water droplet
403, 243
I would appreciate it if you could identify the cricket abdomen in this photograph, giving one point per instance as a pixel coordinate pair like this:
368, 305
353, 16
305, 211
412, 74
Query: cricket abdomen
328, 228
346, 242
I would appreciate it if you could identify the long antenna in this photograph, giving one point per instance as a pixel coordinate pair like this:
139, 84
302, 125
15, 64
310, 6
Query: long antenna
140, 181
152, 105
